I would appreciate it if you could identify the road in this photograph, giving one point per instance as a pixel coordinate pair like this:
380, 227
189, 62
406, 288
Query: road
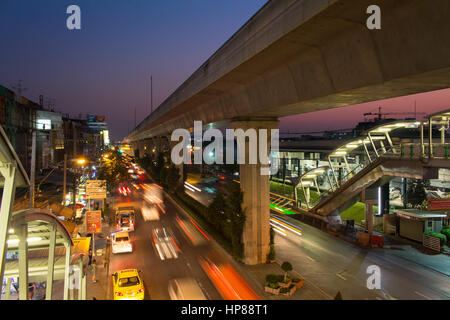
333, 265
156, 272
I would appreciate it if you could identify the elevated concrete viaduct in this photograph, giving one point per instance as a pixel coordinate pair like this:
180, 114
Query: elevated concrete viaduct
298, 56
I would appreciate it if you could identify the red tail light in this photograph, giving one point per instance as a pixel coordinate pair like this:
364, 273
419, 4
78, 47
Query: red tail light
141, 290
119, 294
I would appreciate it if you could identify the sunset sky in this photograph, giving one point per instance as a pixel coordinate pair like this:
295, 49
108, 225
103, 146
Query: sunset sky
105, 67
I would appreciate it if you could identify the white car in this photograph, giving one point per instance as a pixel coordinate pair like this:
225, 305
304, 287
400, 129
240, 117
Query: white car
150, 213
165, 244
121, 242
185, 289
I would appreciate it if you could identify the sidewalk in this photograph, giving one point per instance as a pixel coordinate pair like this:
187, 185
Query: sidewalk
439, 262
100, 290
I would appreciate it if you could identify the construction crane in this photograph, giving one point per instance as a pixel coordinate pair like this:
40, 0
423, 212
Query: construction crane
381, 114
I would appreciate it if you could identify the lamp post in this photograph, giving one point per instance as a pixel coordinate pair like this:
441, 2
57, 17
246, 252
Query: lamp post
79, 162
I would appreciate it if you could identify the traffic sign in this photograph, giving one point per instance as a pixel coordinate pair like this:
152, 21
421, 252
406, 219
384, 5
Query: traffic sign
96, 189
93, 221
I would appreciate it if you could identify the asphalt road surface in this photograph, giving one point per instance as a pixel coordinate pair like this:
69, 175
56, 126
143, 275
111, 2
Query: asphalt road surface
157, 273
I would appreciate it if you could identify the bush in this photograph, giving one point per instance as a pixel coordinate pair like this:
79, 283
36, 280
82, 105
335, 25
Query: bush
338, 296
284, 290
446, 231
441, 236
273, 279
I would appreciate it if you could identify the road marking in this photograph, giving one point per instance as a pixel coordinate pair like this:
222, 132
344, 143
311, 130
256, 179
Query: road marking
323, 292
421, 294
340, 276
387, 296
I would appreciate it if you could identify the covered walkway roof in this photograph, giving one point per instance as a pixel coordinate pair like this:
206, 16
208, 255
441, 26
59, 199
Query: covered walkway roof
376, 133
39, 222
440, 116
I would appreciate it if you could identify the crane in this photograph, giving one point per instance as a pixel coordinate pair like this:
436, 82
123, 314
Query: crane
380, 114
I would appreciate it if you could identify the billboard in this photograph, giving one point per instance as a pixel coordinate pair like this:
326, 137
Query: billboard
95, 118
105, 137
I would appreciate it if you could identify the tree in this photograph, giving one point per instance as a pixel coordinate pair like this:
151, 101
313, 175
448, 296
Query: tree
113, 170
271, 254
234, 212
172, 179
286, 267
416, 194
216, 214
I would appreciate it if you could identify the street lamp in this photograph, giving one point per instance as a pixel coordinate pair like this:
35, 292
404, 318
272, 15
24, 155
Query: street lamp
80, 162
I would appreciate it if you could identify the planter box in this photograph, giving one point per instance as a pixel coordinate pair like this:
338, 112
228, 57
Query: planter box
432, 243
291, 291
285, 285
272, 291
298, 282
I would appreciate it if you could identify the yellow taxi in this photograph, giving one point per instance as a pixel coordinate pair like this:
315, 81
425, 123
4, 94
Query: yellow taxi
128, 285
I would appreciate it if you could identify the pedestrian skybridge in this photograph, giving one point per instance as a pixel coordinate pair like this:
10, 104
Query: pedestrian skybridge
372, 160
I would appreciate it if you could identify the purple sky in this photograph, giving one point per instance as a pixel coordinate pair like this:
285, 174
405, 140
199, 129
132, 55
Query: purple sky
105, 67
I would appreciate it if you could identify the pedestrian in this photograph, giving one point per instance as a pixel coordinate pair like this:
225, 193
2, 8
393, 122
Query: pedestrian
107, 252
90, 256
31, 288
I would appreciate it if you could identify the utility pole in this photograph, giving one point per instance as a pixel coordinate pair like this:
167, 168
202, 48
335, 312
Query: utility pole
415, 110
33, 168
65, 176
19, 87
75, 182
151, 94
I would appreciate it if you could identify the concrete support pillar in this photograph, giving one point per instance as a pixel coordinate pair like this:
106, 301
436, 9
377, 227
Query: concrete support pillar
51, 262
134, 148
404, 190
368, 212
384, 199
141, 148
147, 147
256, 197
66, 272
180, 167
160, 143
83, 286
9, 189
80, 279
22, 233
